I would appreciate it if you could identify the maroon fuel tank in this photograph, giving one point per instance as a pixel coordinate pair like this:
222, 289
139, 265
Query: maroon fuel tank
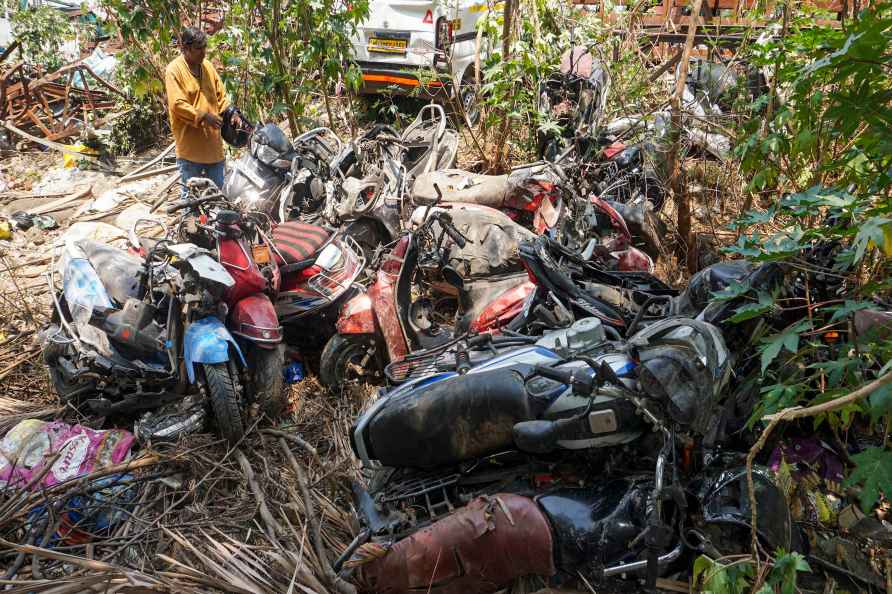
480, 548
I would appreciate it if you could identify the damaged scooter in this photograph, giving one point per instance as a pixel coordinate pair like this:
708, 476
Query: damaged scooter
129, 336
454, 273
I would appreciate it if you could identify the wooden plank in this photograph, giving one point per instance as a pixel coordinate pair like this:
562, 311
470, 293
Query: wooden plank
145, 174
142, 168
61, 203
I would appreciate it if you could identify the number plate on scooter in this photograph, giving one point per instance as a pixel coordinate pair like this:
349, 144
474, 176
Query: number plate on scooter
602, 421
261, 254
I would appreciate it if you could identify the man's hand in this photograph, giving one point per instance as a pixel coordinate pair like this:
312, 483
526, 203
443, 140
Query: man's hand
212, 120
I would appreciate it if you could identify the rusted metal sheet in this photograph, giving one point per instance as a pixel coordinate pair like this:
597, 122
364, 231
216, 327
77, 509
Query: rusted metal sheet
478, 549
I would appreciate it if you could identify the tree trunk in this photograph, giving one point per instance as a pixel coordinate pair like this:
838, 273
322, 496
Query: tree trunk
500, 153
687, 250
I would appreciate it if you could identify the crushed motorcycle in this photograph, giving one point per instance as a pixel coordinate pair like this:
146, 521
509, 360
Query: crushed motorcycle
548, 197
573, 98
210, 220
503, 466
274, 171
380, 168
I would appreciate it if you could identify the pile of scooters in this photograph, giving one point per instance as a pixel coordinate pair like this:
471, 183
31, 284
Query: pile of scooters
549, 407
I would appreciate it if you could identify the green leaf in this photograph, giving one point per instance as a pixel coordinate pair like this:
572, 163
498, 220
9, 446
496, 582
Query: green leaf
870, 233
785, 570
880, 401
732, 291
873, 469
753, 310
746, 246
788, 339
847, 308
754, 217
713, 577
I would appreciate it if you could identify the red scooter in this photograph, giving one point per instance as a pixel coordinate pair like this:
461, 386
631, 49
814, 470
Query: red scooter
244, 251
389, 321
538, 197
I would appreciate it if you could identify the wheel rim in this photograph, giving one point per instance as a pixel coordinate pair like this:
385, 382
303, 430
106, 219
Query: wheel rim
469, 104
351, 370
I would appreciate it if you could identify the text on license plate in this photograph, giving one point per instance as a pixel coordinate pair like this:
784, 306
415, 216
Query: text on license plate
387, 46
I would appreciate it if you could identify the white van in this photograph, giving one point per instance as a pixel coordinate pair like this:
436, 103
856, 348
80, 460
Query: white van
400, 37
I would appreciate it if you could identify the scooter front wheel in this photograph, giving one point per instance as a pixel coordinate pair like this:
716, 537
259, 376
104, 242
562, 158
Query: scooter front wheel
268, 382
223, 395
349, 358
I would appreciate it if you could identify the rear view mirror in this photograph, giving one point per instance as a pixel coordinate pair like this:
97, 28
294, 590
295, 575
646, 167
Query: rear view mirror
451, 276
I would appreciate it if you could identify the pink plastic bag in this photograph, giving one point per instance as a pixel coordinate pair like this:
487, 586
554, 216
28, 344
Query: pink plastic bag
28, 447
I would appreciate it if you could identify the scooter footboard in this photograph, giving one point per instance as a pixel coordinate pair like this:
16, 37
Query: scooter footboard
208, 341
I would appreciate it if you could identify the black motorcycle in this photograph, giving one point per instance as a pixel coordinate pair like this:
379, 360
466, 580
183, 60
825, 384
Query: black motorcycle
557, 465
274, 175
573, 99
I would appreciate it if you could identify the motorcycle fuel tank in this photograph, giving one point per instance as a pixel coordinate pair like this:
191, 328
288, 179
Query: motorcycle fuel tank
448, 418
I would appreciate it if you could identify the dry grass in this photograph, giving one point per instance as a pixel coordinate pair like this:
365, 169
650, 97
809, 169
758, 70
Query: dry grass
193, 514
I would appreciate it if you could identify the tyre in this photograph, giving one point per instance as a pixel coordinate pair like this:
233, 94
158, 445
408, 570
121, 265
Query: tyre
268, 384
470, 100
341, 361
224, 400
68, 391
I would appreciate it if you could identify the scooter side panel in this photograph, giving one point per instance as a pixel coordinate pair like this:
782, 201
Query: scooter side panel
207, 341
503, 309
383, 295
357, 316
490, 542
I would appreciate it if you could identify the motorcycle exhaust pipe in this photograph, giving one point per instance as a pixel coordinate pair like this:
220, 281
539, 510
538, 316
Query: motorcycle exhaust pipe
361, 539
637, 566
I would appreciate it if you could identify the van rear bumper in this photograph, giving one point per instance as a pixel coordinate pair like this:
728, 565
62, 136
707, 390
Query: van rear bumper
402, 80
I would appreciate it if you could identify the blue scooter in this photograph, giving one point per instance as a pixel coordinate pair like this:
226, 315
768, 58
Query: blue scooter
131, 337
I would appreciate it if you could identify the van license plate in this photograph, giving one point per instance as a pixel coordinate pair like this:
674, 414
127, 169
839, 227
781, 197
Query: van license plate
384, 45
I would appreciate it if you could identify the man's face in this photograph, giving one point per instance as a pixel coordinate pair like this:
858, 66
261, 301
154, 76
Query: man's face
194, 53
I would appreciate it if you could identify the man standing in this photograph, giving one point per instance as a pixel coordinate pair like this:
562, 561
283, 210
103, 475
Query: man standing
195, 100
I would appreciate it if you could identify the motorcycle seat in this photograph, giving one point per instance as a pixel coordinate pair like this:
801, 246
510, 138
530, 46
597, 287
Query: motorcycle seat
297, 244
457, 185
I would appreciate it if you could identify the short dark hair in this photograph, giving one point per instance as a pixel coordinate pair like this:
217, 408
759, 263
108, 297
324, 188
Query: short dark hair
192, 35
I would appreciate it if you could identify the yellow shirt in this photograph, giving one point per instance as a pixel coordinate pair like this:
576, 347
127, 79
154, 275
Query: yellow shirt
188, 99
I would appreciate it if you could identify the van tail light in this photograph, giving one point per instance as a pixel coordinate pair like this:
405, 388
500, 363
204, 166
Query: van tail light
443, 38
428, 18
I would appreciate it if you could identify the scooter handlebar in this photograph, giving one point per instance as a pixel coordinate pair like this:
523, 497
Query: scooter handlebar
455, 234
581, 383
188, 203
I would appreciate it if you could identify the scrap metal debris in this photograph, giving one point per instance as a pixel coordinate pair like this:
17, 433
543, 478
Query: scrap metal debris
58, 105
